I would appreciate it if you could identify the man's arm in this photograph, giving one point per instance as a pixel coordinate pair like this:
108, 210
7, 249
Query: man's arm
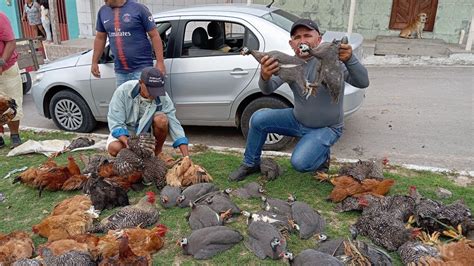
158, 48
184, 149
116, 117
267, 82
7, 53
99, 44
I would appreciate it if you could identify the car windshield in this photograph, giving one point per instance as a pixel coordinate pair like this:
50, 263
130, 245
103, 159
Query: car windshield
281, 18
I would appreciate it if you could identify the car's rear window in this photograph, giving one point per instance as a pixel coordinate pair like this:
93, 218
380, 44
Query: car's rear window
281, 18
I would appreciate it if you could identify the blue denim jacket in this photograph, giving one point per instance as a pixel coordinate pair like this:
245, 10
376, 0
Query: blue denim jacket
124, 108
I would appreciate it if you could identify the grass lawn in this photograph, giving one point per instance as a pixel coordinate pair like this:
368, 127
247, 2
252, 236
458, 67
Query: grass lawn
23, 208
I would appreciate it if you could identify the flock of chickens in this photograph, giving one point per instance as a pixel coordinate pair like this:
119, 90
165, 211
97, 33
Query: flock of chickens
409, 224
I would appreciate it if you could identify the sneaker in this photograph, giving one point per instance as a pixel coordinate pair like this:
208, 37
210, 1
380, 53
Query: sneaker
16, 141
243, 171
2, 142
324, 168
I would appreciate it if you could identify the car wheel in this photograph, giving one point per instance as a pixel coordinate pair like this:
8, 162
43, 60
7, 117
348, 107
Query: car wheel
274, 141
26, 80
71, 113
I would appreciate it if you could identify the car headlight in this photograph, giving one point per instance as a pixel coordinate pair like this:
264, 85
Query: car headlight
38, 77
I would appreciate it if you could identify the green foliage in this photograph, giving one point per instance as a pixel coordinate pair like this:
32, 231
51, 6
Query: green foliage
23, 208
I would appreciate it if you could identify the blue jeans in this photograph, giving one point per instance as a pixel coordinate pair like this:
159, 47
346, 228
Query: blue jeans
124, 77
311, 151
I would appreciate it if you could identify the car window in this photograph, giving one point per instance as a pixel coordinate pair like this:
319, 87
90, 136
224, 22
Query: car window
216, 38
281, 18
164, 29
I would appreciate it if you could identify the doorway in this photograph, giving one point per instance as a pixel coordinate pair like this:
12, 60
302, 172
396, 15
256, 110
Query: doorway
405, 11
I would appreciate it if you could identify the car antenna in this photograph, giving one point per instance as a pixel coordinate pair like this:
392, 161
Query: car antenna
270, 5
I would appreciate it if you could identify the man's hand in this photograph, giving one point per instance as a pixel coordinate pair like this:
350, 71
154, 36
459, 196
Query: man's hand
124, 140
95, 70
161, 67
269, 67
345, 52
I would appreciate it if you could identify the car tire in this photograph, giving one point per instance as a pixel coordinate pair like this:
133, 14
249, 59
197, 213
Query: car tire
71, 113
27, 84
274, 141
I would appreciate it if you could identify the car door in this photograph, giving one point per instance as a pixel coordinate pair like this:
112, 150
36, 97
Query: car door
205, 81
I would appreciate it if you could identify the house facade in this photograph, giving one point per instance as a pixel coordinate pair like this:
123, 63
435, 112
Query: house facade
446, 18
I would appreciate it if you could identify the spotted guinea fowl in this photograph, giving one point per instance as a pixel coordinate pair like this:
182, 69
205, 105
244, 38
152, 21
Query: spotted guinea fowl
280, 222
154, 172
202, 216
8, 108
169, 196
142, 214
265, 240
206, 242
291, 67
413, 251
219, 201
311, 257
270, 169
308, 222
250, 190
193, 192
277, 206
329, 68
355, 252
363, 169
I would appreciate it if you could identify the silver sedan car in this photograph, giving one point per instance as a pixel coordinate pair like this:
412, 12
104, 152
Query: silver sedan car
209, 81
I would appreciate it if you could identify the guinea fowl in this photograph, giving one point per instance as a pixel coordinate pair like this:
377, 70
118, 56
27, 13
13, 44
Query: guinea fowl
270, 169
291, 67
281, 222
206, 242
142, 214
8, 108
329, 69
250, 190
219, 201
278, 206
154, 172
169, 196
202, 216
413, 251
308, 222
265, 240
311, 257
363, 169
193, 192
355, 252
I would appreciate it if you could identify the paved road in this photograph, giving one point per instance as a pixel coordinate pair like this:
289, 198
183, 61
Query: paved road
417, 115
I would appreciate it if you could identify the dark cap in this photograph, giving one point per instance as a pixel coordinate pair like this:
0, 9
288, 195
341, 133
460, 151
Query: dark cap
154, 81
308, 23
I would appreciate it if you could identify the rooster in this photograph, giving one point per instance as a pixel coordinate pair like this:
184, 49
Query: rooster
15, 246
126, 256
8, 108
142, 214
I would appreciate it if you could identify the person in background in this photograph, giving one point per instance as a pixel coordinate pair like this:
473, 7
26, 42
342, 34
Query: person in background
10, 79
126, 24
139, 106
316, 120
45, 21
32, 13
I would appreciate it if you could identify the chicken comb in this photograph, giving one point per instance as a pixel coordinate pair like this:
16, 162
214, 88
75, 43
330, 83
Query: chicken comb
151, 196
161, 230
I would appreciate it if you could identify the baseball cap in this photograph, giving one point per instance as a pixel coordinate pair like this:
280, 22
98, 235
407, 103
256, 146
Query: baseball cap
154, 81
308, 23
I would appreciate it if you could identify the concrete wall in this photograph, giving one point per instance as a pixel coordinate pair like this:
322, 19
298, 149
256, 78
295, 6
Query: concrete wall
372, 17
12, 13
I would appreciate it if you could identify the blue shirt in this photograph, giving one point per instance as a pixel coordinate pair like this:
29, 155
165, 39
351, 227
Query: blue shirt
127, 28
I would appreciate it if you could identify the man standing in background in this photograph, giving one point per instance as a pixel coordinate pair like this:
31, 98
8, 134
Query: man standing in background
126, 24
10, 79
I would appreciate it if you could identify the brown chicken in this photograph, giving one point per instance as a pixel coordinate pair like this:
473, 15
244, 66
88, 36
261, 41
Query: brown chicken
185, 173
61, 246
28, 176
64, 226
7, 109
345, 186
75, 182
126, 256
106, 170
76, 204
15, 246
453, 254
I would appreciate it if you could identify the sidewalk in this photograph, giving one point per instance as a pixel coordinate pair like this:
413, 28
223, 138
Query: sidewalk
385, 50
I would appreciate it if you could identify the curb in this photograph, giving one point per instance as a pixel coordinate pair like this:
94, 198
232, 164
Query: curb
267, 153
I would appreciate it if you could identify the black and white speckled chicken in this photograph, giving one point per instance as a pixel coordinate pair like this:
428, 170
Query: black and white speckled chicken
142, 145
329, 69
355, 252
142, 214
413, 251
69, 258
154, 172
250, 190
308, 222
355, 203
291, 67
169, 196
28, 262
270, 169
80, 142
265, 240
363, 169
8, 108
311, 257
400, 207
127, 162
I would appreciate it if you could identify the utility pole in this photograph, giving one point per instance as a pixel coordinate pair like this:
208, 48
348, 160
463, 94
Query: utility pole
53, 16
